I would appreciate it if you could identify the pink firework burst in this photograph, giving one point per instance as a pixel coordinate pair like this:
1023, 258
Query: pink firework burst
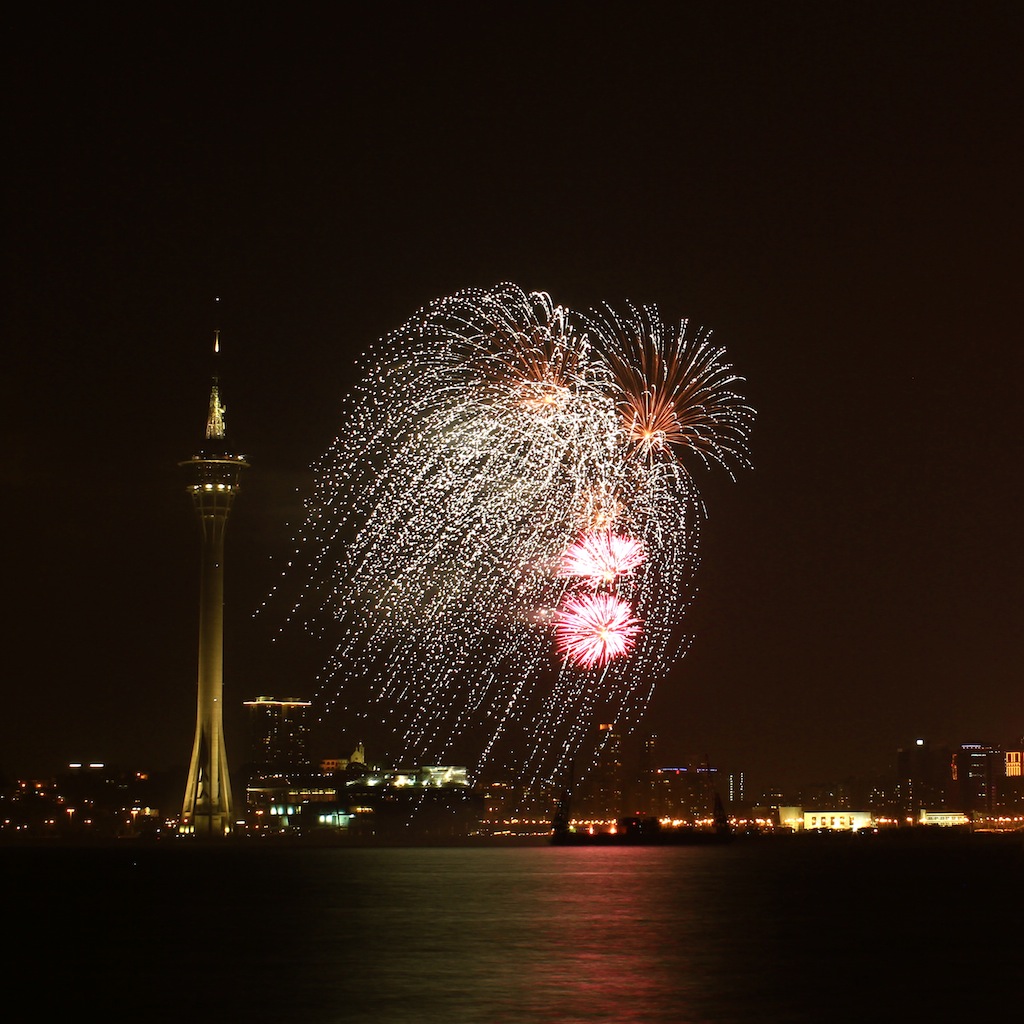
600, 557
593, 629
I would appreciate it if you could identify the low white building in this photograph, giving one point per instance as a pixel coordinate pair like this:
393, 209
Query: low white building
838, 821
948, 819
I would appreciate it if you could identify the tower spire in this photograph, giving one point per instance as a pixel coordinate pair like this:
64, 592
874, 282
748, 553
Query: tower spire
215, 429
215, 426
214, 475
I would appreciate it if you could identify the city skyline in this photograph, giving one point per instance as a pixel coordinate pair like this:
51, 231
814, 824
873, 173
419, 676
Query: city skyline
282, 789
834, 194
734, 783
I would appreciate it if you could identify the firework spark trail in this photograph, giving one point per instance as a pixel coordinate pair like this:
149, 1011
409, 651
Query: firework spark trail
490, 433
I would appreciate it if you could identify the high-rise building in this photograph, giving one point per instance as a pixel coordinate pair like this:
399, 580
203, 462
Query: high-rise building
922, 778
977, 770
687, 791
279, 735
640, 800
601, 791
737, 788
214, 474
1012, 796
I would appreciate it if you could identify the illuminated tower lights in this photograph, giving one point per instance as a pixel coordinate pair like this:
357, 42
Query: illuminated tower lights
213, 482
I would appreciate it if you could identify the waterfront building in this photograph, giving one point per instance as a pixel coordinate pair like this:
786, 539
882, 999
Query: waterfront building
944, 818
837, 820
368, 802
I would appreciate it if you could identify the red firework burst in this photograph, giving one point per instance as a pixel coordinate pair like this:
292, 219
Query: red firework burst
593, 629
601, 557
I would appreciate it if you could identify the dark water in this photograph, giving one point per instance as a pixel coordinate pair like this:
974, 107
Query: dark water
810, 929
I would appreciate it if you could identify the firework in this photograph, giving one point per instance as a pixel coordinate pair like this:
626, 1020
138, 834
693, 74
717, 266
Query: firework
500, 453
675, 392
601, 557
594, 629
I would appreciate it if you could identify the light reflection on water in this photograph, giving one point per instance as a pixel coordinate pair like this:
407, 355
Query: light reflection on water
763, 932
545, 935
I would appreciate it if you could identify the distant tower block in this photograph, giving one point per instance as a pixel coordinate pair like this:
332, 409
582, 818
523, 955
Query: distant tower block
213, 481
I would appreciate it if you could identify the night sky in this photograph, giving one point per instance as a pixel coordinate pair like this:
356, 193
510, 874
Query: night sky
835, 190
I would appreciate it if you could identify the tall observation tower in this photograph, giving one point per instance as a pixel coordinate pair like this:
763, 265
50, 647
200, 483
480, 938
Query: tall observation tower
213, 481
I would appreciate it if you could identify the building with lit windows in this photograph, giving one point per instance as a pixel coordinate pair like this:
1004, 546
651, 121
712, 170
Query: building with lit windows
279, 735
430, 801
837, 820
944, 819
87, 800
1011, 796
686, 792
600, 794
737, 788
922, 777
976, 770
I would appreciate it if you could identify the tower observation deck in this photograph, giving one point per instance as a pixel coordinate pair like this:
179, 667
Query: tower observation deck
213, 479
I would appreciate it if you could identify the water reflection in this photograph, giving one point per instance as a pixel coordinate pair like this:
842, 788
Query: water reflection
775, 933
624, 935
550, 935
